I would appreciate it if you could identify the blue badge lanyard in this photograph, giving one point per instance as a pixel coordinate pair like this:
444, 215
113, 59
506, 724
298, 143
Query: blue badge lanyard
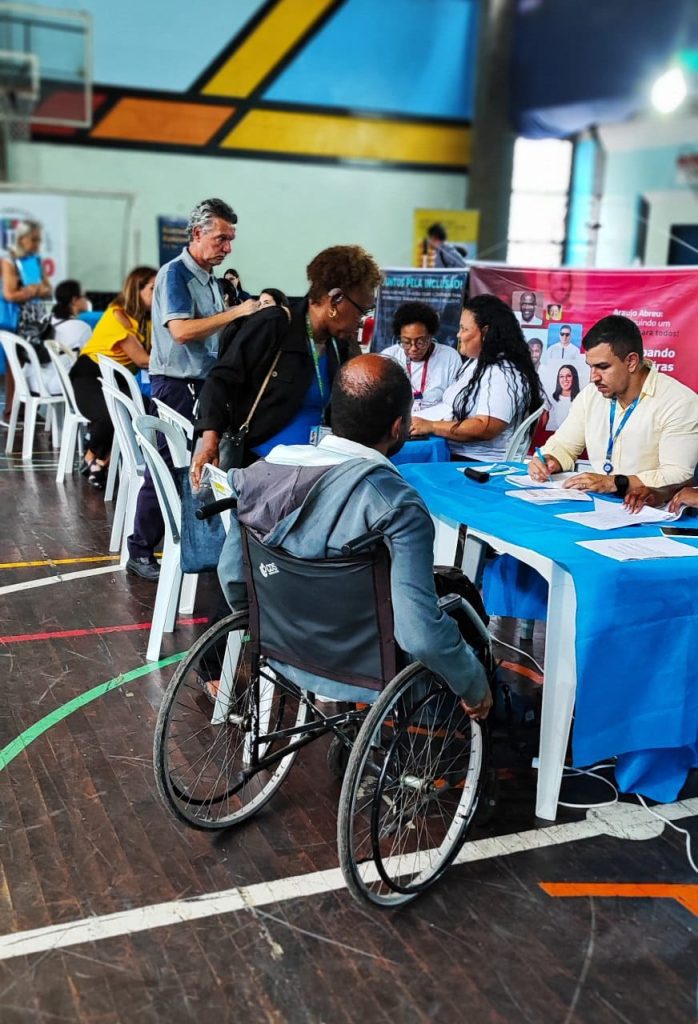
316, 361
612, 438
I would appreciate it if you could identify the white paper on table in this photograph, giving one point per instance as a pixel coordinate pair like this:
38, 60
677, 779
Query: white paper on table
640, 548
609, 515
524, 480
546, 496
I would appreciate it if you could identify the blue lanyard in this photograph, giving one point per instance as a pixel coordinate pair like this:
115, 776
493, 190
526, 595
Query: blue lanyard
612, 438
316, 358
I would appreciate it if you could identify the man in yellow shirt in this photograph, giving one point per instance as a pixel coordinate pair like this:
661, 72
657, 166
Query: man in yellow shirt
639, 426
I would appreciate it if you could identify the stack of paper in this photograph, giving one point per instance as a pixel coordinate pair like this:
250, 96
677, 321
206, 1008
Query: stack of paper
639, 548
548, 495
611, 515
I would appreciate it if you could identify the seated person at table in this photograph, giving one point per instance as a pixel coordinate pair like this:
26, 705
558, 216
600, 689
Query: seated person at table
313, 500
677, 495
430, 365
637, 425
496, 389
121, 335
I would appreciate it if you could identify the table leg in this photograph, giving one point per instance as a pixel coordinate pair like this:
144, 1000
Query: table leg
445, 540
559, 687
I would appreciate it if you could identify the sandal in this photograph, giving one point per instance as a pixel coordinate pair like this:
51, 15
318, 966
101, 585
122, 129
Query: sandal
97, 474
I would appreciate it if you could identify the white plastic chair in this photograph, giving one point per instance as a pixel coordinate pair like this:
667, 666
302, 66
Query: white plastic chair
73, 419
112, 372
13, 345
170, 584
521, 438
170, 415
123, 412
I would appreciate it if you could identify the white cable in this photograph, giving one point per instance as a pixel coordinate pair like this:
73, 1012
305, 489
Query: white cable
592, 774
518, 651
676, 828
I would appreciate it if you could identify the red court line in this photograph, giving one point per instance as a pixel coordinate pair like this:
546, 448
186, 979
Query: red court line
63, 634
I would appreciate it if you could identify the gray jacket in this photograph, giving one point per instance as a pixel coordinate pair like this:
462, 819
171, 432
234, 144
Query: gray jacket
312, 511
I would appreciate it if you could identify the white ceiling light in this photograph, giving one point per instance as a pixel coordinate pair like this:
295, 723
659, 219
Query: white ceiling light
669, 91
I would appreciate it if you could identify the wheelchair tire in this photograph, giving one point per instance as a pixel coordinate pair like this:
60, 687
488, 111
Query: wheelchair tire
202, 766
412, 788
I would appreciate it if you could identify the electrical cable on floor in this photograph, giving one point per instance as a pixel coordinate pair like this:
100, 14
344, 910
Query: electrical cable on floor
676, 828
592, 774
518, 651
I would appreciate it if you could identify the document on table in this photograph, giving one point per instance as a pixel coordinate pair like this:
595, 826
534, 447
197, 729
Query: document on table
640, 548
611, 515
524, 480
547, 496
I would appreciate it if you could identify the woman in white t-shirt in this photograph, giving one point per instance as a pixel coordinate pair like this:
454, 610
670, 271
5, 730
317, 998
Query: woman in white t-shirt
566, 390
70, 333
430, 365
496, 389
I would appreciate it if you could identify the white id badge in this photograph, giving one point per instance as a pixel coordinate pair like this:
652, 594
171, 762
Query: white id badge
317, 433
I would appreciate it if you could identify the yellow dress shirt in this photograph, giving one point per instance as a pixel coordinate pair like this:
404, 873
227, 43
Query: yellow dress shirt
659, 442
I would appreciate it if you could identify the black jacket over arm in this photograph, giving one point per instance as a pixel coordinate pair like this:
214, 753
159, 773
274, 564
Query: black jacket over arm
248, 351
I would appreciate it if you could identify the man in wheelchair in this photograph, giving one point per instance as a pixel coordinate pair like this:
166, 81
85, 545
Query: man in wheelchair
311, 501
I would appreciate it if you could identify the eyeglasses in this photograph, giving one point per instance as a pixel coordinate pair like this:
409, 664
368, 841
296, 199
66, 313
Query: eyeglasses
364, 312
421, 342
565, 334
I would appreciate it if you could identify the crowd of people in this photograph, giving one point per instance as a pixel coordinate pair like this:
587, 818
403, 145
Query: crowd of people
256, 375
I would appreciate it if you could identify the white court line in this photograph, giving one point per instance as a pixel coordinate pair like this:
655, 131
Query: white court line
61, 577
627, 821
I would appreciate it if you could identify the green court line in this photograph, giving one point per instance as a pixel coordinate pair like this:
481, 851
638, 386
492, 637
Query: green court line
15, 748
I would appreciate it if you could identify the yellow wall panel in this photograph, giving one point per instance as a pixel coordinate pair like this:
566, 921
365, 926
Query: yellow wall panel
265, 47
351, 138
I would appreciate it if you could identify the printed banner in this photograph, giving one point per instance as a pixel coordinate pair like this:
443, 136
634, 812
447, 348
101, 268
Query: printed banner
50, 212
172, 237
442, 289
557, 307
461, 227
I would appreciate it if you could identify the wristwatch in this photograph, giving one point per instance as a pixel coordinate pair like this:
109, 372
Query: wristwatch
622, 484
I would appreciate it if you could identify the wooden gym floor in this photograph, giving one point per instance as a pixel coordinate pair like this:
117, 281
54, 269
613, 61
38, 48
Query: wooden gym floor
110, 913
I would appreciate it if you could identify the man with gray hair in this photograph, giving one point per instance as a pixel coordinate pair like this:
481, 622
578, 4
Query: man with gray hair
187, 316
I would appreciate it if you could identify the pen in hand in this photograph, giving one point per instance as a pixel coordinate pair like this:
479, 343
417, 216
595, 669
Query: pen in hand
544, 466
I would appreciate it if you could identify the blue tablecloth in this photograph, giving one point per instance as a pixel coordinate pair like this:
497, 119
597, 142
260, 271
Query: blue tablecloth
635, 638
431, 449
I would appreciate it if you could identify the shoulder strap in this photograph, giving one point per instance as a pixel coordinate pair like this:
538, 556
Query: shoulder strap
261, 391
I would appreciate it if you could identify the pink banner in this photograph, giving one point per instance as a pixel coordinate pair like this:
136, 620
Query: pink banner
663, 303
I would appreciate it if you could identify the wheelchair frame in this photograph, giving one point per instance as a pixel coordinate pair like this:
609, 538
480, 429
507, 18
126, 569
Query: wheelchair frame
415, 770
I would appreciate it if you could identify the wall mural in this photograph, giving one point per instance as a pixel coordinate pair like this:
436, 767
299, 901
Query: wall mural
307, 80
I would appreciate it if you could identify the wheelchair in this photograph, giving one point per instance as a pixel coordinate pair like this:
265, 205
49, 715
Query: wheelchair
415, 761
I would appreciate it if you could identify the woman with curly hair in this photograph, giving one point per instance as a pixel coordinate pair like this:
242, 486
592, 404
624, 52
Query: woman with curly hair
300, 359
497, 388
430, 365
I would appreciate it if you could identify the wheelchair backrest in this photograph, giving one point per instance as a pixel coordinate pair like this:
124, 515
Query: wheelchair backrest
332, 617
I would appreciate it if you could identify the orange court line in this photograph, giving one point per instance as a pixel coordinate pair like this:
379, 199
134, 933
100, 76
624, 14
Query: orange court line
169, 121
686, 895
522, 670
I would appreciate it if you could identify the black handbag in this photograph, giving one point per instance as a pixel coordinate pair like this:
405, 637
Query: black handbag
201, 540
231, 447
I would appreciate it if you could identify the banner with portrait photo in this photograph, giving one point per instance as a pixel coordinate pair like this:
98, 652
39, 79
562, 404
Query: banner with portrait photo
442, 289
557, 307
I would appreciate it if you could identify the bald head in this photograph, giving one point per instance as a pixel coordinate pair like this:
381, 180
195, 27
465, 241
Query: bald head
369, 395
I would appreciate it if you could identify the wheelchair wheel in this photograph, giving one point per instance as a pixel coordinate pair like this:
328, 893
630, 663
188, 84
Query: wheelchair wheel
411, 791
203, 749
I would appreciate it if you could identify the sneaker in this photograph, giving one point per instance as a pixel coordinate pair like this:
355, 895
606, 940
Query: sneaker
147, 568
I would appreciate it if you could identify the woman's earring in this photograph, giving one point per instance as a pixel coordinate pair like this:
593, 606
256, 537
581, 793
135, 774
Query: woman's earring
332, 312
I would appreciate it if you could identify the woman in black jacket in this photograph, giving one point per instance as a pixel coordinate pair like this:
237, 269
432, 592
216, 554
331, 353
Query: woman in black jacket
320, 336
